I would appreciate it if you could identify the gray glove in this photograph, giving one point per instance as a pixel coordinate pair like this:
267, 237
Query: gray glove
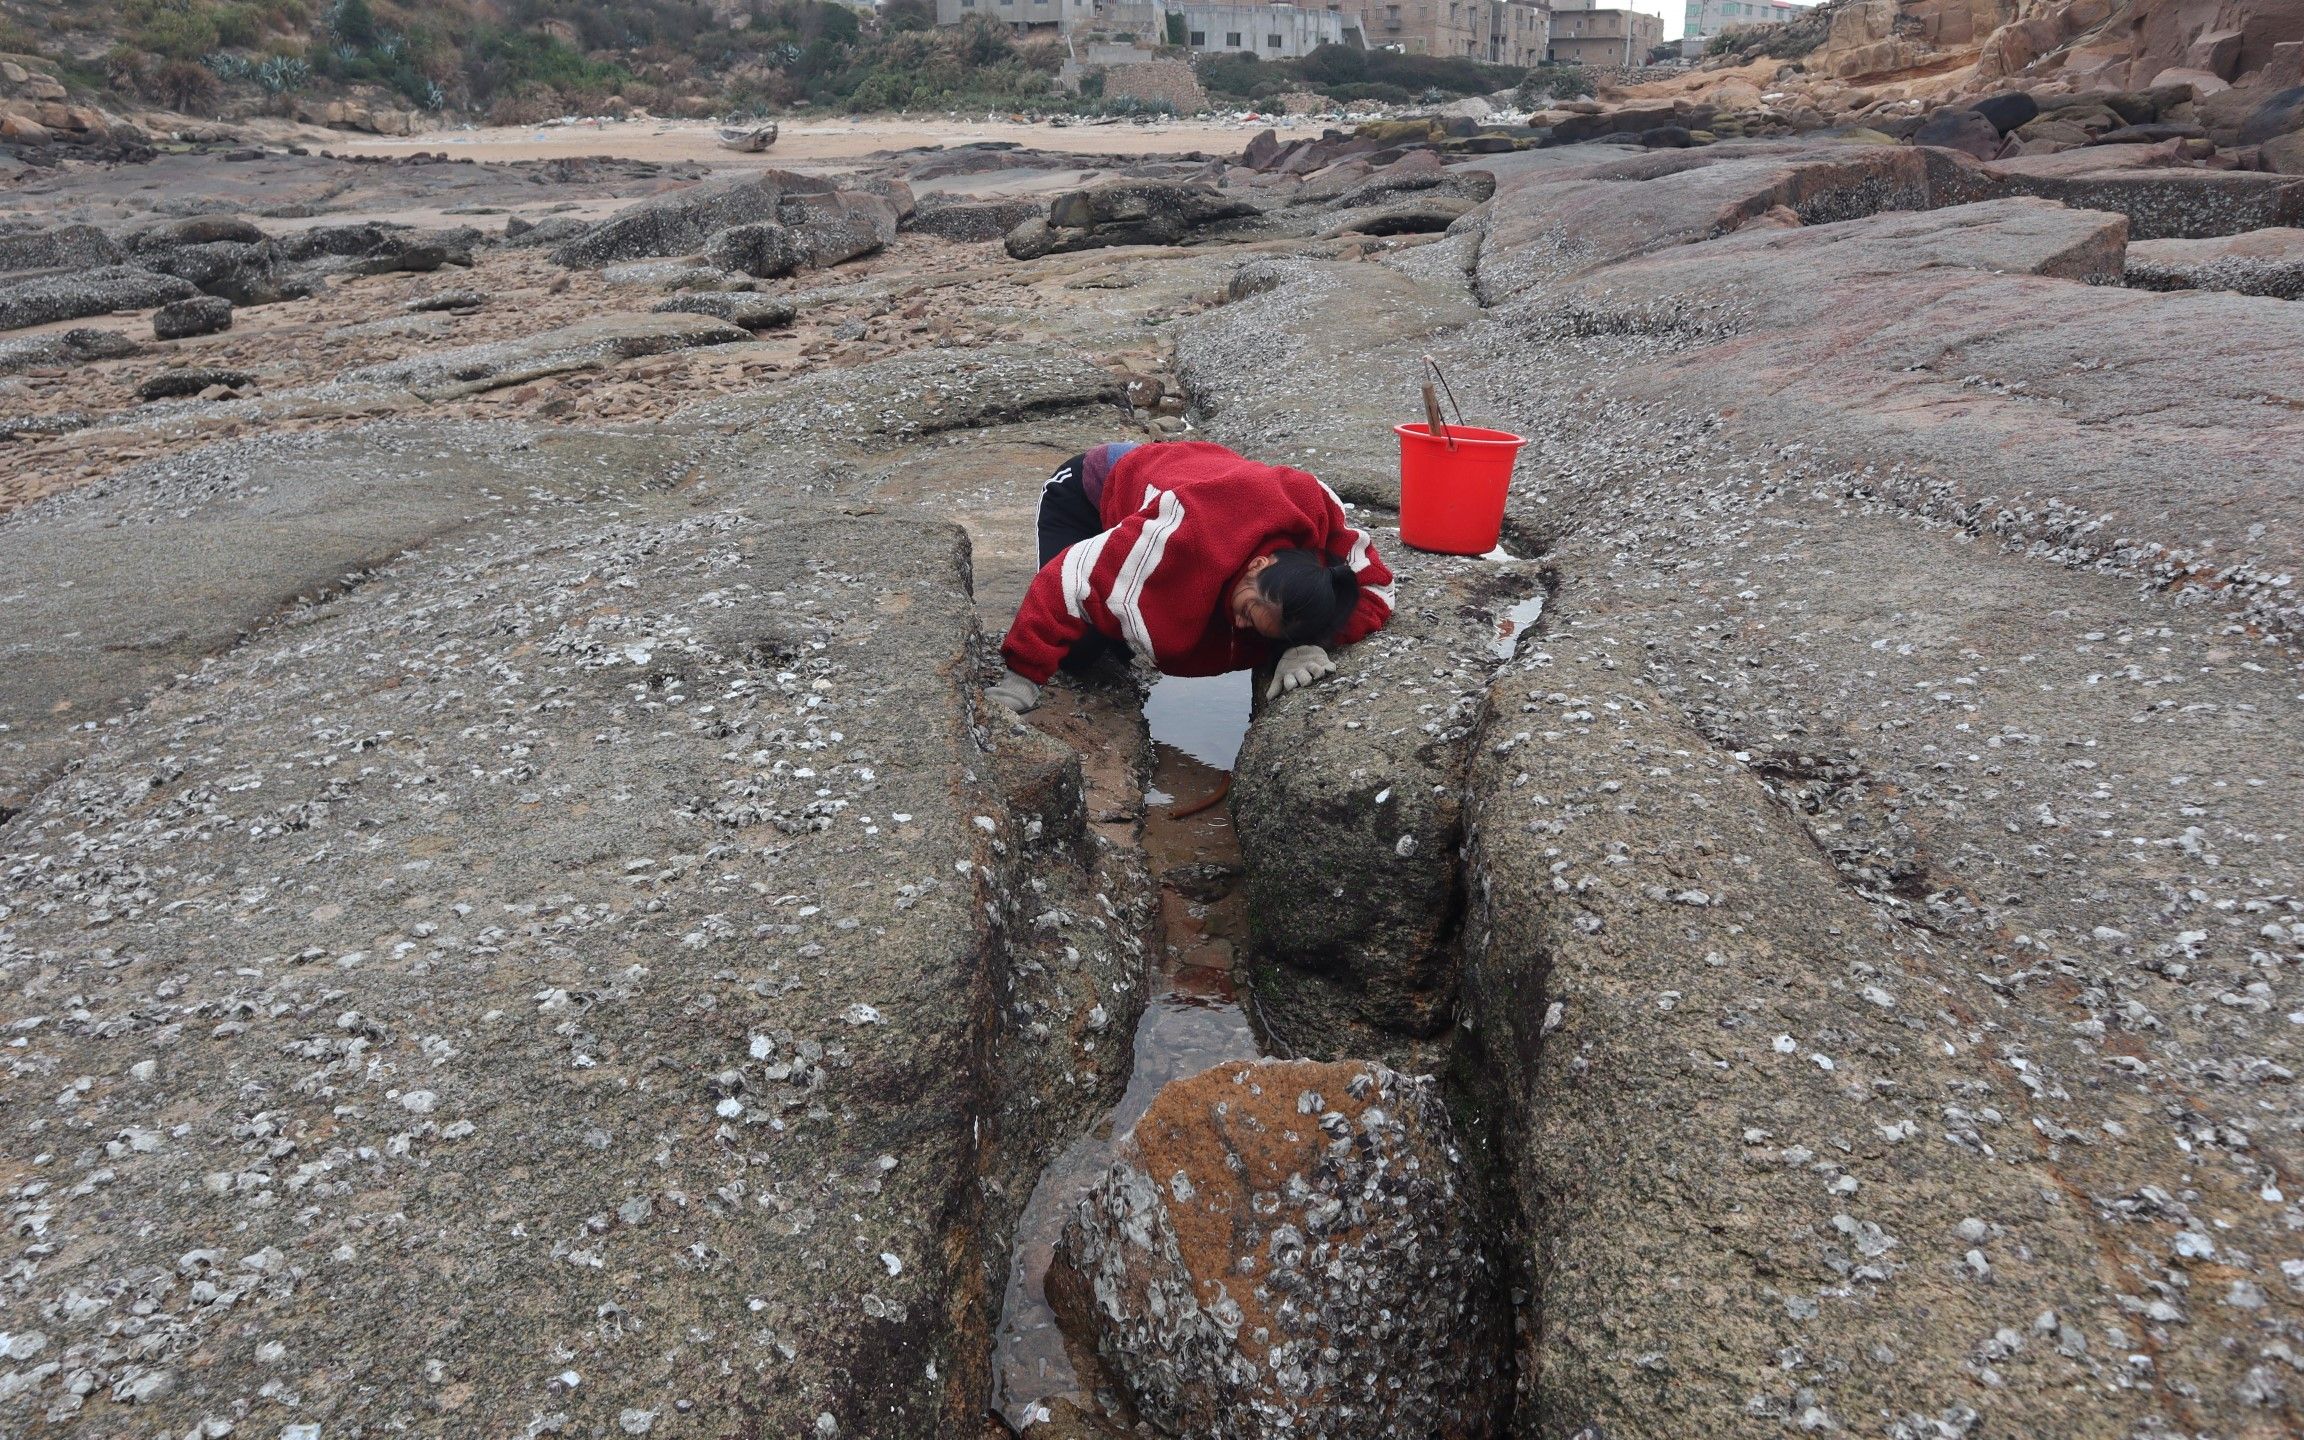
1302, 665
1014, 693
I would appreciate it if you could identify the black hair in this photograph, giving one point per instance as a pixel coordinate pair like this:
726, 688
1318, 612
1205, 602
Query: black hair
1315, 597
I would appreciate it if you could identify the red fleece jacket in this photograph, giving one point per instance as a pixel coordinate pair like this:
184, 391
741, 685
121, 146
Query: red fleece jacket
1182, 520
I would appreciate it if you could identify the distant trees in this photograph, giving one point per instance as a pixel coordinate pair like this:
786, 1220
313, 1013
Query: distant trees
523, 60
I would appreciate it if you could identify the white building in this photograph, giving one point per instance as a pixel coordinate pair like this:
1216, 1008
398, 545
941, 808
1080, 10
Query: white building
1026, 17
1274, 31
1707, 18
1270, 32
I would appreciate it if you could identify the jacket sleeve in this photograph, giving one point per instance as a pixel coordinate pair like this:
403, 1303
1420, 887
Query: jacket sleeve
1376, 590
1066, 600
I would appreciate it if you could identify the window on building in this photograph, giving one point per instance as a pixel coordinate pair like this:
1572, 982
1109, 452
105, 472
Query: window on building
1231, 39
1199, 38
1271, 42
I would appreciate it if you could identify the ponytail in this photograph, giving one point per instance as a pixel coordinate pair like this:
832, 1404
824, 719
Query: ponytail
1314, 596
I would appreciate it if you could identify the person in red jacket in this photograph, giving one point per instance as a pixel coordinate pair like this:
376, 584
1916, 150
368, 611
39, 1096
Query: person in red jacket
1199, 561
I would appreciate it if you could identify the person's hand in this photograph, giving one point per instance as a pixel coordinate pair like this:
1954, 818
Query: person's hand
1302, 665
1014, 693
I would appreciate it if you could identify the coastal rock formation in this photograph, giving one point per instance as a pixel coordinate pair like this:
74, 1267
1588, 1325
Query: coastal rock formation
242, 273
60, 247
193, 380
1292, 1248
809, 232
741, 1008
1833, 940
73, 347
79, 294
974, 221
515, 916
753, 312
2255, 262
1351, 849
1139, 212
2093, 41
449, 374
682, 222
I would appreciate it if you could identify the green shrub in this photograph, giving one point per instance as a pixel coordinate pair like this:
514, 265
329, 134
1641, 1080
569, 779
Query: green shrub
1449, 74
984, 41
240, 26
282, 74
1379, 92
184, 86
1552, 82
620, 24
353, 23
1341, 73
124, 68
175, 29
478, 53
1334, 65
1234, 74
512, 62
901, 15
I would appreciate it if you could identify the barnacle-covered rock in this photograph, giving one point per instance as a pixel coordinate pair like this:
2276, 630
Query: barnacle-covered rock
1291, 1248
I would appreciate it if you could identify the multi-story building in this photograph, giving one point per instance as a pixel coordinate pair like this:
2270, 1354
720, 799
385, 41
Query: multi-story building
1584, 34
1707, 18
1275, 31
1026, 17
1519, 32
1504, 32
1270, 32
1425, 27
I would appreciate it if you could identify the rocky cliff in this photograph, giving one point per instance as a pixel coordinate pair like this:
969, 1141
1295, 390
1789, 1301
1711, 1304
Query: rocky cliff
2097, 43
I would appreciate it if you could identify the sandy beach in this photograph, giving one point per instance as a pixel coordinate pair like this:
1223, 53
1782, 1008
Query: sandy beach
816, 141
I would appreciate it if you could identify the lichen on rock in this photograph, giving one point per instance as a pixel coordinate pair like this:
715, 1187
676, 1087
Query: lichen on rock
1292, 1248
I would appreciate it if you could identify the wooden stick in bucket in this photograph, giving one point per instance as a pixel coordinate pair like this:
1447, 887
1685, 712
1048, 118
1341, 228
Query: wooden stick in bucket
1434, 426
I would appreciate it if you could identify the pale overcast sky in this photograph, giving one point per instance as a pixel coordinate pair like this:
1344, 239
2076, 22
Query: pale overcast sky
1673, 14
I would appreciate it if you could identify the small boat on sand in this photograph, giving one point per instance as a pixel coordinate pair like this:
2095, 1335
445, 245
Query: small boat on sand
751, 140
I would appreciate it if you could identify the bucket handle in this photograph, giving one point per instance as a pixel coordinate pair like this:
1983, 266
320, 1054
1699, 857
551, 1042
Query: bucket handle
1434, 424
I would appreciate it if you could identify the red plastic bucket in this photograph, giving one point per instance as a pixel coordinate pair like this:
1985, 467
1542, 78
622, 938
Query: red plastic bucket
1452, 500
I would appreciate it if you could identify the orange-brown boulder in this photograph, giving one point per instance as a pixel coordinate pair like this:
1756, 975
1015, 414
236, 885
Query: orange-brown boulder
1292, 1249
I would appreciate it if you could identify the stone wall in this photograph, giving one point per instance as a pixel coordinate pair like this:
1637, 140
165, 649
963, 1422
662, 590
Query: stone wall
1156, 80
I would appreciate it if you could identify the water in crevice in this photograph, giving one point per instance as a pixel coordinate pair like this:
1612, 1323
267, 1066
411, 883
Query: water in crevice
1193, 1019
1516, 624
1205, 717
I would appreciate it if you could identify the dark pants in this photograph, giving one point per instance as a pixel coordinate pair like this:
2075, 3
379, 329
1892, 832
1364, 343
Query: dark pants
1067, 517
